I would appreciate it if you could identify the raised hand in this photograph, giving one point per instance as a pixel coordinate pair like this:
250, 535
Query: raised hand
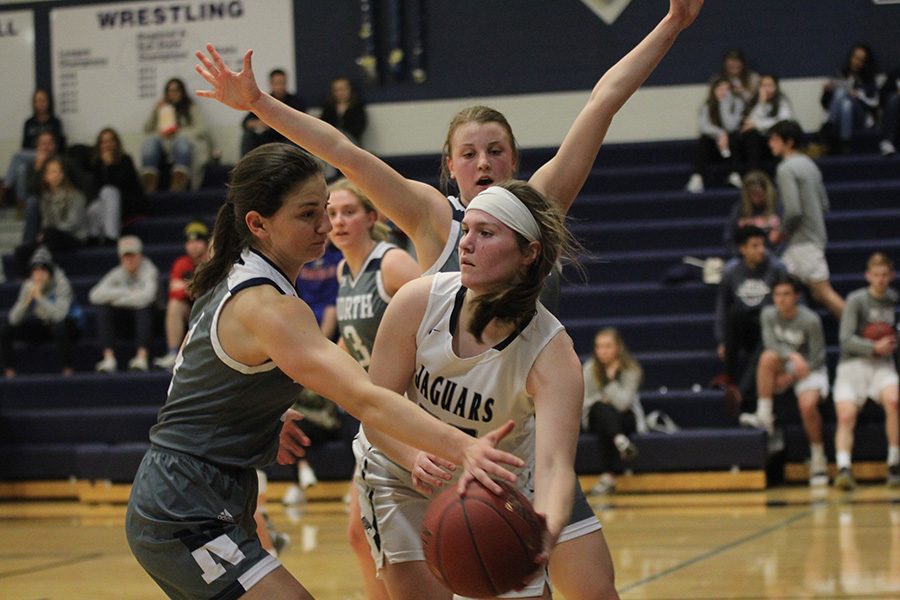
482, 458
237, 90
684, 12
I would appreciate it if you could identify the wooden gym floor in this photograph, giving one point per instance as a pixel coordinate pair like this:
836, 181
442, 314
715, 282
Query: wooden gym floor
787, 542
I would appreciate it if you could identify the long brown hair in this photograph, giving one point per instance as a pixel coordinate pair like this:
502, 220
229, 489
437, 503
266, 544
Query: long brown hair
518, 302
259, 181
474, 114
626, 360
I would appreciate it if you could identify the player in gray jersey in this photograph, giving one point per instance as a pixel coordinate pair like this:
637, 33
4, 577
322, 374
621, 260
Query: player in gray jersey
867, 368
368, 277
471, 348
793, 357
190, 515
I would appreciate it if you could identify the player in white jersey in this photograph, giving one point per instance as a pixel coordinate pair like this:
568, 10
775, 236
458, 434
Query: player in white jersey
472, 348
237, 373
368, 277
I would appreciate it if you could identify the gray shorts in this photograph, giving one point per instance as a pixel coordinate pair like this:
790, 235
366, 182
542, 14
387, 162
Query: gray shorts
190, 525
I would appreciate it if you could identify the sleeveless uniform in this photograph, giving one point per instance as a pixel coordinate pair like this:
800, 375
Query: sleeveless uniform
361, 303
448, 261
474, 394
190, 516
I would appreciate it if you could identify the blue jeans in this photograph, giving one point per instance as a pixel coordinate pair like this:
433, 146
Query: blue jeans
153, 154
15, 178
845, 112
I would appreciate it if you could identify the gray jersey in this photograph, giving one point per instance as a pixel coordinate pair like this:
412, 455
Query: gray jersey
448, 261
803, 334
361, 302
861, 309
219, 409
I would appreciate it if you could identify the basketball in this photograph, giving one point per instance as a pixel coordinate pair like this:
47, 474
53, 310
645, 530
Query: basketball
877, 330
482, 544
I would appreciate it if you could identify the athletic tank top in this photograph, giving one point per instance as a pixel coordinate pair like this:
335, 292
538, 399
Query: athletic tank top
361, 303
479, 393
448, 261
218, 409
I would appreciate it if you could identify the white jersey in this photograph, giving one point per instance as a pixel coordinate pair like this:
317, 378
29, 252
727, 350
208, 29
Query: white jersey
479, 393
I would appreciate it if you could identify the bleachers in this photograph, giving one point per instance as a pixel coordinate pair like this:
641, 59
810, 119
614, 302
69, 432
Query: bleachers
637, 222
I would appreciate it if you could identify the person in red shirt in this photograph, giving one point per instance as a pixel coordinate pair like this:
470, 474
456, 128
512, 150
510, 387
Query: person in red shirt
178, 308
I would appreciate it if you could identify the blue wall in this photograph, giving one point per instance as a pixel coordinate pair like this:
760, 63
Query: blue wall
491, 47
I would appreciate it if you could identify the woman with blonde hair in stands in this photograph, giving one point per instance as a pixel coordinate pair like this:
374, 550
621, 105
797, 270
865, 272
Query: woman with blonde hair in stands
612, 406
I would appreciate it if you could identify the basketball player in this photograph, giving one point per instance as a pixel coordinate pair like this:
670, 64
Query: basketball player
471, 348
190, 516
480, 150
369, 275
866, 369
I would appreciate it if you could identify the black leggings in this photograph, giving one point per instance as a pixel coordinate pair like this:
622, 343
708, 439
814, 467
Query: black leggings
607, 422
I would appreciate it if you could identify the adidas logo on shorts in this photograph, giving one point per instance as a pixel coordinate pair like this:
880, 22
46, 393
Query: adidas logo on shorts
225, 516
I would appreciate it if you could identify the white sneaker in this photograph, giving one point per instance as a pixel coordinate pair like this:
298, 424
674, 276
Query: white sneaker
604, 487
166, 363
695, 184
754, 420
107, 365
293, 496
887, 148
138, 363
734, 179
306, 476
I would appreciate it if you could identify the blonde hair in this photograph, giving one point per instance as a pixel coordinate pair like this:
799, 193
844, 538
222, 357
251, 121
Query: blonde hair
379, 232
879, 259
474, 114
626, 360
759, 179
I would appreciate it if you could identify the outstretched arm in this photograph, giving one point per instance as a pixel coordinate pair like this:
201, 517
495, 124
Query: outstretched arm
419, 210
562, 177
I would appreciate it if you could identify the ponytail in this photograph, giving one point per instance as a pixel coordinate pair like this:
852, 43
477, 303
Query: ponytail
224, 250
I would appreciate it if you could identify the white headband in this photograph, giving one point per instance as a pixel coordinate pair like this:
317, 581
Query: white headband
504, 206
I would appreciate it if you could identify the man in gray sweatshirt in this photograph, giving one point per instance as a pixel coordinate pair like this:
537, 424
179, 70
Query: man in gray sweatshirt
793, 357
867, 369
805, 202
127, 292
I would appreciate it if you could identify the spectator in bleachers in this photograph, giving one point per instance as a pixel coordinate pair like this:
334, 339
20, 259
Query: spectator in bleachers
744, 80
758, 206
176, 133
178, 307
42, 120
126, 295
890, 106
47, 149
255, 132
344, 109
118, 193
612, 406
63, 215
746, 288
719, 121
768, 107
45, 310
866, 368
851, 99
793, 357
804, 202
